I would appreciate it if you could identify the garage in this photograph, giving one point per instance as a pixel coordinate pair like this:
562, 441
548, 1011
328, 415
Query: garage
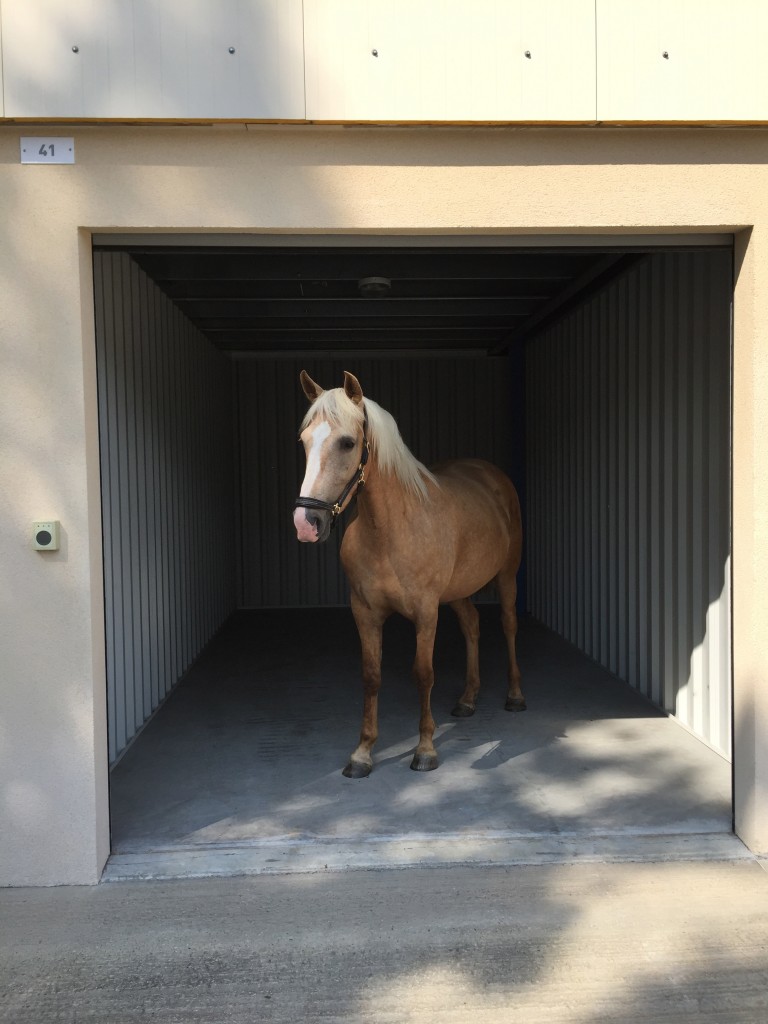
597, 376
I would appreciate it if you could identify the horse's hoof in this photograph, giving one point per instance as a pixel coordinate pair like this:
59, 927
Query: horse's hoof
515, 704
424, 762
463, 711
357, 770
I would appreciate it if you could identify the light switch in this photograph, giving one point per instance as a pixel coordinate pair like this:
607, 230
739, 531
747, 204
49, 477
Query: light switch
45, 535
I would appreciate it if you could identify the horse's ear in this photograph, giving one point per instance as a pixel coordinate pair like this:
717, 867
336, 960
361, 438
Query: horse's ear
352, 387
308, 386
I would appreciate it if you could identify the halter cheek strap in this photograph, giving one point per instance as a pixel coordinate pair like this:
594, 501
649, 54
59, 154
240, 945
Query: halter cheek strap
357, 481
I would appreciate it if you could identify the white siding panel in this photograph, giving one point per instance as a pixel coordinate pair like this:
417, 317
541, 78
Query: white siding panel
2, 91
450, 60
715, 64
628, 475
154, 58
167, 468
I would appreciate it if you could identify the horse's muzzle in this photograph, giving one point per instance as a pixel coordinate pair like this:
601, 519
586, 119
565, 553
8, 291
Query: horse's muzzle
312, 525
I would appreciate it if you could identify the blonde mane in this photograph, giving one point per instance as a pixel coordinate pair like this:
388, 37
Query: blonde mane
388, 447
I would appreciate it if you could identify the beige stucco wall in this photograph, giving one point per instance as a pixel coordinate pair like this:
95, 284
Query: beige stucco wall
53, 762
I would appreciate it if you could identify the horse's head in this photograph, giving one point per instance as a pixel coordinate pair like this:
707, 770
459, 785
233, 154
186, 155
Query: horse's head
333, 439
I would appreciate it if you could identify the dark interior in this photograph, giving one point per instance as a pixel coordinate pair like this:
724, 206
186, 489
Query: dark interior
274, 300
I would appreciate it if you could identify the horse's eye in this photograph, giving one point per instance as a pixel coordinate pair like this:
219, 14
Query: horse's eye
347, 443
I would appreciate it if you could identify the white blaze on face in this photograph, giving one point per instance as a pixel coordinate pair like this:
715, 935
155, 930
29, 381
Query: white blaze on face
319, 436
305, 530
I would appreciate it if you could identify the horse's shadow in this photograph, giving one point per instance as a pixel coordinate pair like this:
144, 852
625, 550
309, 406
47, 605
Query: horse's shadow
560, 681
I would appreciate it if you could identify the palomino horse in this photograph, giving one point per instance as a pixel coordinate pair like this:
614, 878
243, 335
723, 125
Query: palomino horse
419, 539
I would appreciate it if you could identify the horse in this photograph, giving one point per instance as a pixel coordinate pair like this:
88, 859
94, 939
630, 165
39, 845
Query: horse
419, 538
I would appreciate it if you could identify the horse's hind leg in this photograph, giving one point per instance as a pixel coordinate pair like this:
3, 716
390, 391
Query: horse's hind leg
469, 620
507, 584
369, 626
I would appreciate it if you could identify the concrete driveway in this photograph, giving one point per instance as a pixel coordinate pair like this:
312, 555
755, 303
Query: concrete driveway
578, 943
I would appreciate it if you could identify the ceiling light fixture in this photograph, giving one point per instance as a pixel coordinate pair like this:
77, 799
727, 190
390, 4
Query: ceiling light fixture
374, 287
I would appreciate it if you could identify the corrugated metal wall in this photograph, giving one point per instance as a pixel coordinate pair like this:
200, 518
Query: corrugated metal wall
167, 467
448, 407
628, 476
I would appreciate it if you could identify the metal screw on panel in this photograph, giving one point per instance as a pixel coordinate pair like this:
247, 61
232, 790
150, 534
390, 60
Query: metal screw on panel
375, 53
528, 54
231, 49
75, 49
665, 55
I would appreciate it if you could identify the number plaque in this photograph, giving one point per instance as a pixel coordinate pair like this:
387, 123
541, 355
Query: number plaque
53, 149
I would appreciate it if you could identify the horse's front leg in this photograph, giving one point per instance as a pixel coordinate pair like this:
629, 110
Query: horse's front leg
369, 626
425, 758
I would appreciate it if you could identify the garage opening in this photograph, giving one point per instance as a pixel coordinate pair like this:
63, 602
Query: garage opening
597, 376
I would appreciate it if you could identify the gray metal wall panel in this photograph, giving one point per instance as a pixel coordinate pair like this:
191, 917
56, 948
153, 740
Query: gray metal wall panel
167, 466
445, 408
628, 463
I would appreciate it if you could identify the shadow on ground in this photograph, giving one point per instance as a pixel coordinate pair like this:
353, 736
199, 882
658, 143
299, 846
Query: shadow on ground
650, 943
251, 744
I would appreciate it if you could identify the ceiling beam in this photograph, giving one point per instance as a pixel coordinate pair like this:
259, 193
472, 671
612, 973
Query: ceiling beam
200, 309
593, 277
330, 266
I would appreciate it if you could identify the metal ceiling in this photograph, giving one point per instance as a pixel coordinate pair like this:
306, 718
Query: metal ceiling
268, 300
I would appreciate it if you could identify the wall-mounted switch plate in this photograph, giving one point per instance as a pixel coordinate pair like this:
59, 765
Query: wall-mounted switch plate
45, 535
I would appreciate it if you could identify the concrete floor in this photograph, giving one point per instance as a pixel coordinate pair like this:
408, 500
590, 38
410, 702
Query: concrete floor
575, 944
241, 769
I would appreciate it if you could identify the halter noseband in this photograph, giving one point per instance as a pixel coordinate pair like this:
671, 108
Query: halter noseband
357, 481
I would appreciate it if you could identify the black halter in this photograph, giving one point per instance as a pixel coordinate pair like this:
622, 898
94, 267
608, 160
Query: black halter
357, 481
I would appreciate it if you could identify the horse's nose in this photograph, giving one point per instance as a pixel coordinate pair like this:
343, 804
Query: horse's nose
306, 525
320, 522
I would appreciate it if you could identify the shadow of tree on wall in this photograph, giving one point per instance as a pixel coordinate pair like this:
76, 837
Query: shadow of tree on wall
120, 59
